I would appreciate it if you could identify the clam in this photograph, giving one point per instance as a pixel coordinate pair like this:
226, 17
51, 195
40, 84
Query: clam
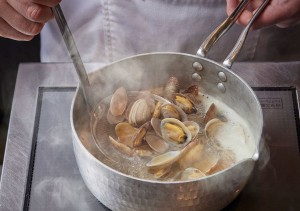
124, 131
149, 98
191, 173
169, 110
185, 103
118, 102
210, 114
138, 136
164, 160
207, 161
129, 135
199, 156
155, 123
156, 143
170, 157
121, 147
114, 119
174, 131
193, 127
157, 109
227, 159
227, 133
191, 155
140, 112
212, 126
172, 87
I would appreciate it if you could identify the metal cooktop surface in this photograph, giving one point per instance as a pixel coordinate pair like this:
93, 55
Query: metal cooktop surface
54, 181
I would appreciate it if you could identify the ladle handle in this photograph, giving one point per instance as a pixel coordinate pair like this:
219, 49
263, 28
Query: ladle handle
240, 42
71, 45
73, 51
220, 30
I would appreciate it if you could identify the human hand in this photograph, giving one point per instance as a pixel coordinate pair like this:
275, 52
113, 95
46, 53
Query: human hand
23, 19
282, 13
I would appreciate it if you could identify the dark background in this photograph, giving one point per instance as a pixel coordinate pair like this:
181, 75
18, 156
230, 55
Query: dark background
11, 54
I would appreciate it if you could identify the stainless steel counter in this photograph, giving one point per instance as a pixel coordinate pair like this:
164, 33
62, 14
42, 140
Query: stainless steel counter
40, 172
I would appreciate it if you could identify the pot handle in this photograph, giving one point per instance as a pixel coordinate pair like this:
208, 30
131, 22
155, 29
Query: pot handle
225, 26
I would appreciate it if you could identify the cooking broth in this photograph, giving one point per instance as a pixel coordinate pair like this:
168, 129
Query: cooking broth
218, 144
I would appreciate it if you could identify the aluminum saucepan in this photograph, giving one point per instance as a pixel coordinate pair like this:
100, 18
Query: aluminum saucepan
120, 191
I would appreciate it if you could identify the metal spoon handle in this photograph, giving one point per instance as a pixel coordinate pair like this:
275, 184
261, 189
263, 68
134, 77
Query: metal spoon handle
240, 42
220, 30
73, 51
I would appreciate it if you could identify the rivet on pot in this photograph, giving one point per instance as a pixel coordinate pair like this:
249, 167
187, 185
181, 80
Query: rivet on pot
222, 76
197, 66
196, 77
221, 87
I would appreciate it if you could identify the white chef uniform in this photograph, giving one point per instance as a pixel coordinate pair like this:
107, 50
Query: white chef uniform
108, 30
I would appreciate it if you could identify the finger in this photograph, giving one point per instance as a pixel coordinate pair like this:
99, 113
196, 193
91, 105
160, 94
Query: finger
8, 32
18, 22
48, 3
245, 16
231, 5
34, 12
272, 16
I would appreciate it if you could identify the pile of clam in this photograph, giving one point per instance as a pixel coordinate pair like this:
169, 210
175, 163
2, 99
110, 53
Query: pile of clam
171, 128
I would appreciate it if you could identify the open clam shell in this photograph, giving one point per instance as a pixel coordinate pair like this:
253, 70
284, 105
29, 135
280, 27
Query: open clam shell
129, 135
157, 109
175, 132
124, 131
164, 160
210, 113
118, 102
155, 123
227, 159
170, 157
170, 110
193, 127
191, 154
156, 143
225, 132
186, 104
207, 161
191, 173
139, 135
212, 126
121, 147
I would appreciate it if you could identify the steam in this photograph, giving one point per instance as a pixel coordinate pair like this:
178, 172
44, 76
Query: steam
264, 154
63, 192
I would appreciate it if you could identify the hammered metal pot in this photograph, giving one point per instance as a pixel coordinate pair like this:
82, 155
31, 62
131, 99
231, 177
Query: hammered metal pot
119, 191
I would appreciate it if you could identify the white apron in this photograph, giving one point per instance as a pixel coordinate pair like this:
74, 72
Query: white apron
108, 30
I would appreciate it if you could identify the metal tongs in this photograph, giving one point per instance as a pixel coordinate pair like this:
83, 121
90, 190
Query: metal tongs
225, 26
